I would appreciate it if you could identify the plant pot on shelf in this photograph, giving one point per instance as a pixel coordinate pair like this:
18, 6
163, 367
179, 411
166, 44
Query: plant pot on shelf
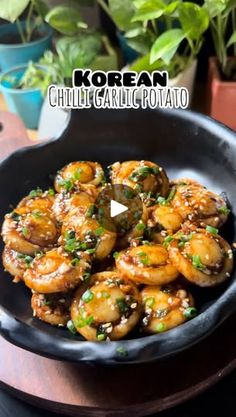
26, 103
13, 52
107, 60
221, 96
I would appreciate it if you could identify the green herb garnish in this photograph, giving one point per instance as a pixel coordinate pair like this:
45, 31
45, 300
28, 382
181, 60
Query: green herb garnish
82, 321
101, 336
224, 210
122, 351
71, 327
140, 227
77, 174
91, 211
143, 173
15, 216
143, 257
122, 305
51, 192
190, 312
36, 214
149, 301
67, 184
25, 231
86, 276
105, 294
167, 241
36, 193
164, 201
160, 327
87, 296
212, 230
75, 262
196, 262
115, 255
99, 231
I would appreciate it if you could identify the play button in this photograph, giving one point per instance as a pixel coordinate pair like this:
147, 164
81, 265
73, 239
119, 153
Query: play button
118, 208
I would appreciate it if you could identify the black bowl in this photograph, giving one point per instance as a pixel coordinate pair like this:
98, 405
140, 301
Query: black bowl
186, 144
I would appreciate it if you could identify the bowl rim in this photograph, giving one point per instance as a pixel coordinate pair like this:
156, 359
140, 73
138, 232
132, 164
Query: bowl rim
123, 351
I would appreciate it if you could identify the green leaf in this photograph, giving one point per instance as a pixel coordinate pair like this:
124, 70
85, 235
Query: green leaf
231, 40
171, 8
64, 19
141, 43
122, 12
194, 19
41, 8
136, 31
148, 10
215, 7
12, 9
168, 42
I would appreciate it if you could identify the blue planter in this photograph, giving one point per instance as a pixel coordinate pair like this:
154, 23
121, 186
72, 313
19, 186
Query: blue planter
21, 53
26, 103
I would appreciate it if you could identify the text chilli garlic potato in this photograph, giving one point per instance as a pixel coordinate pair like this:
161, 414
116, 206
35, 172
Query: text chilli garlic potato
143, 176
85, 233
146, 264
76, 173
109, 308
53, 309
166, 307
201, 255
199, 205
57, 271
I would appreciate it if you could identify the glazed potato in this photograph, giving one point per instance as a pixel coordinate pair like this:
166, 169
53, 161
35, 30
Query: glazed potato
146, 264
88, 235
201, 255
199, 205
15, 263
37, 201
164, 220
76, 173
29, 232
143, 176
109, 308
65, 202
166, 307
57, 271
53, 309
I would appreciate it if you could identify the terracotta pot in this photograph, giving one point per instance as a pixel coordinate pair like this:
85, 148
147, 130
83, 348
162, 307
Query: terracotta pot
221, 96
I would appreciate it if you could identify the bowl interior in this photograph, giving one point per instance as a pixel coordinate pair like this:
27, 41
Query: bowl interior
185, 144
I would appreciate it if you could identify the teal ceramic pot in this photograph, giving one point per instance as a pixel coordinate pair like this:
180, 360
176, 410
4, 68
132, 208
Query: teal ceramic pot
13, 54
25, 103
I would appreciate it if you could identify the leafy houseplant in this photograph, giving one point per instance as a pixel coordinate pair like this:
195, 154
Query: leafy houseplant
23, 40
167, 34
222, 68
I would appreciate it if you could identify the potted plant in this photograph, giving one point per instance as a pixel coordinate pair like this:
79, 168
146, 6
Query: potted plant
23, 40
221, 89
167, 35
90, 48
23, 88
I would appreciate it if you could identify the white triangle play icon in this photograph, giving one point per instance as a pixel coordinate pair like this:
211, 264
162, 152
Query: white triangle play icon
117, 208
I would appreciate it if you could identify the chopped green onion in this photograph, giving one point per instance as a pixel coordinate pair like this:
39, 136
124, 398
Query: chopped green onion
25, 231
190, 312
83, 321
51, 192
122, 351
224, 210
167, 241
196, 262
75, 262
140, 226
149, 301
143, 257
99, 231
115, 255
36, 193
212, 230
15, 216
71, 327
67, 184
105, 294
77, 174
86, 276
101, 336
87, 296
160, 327
122, 305
91, 211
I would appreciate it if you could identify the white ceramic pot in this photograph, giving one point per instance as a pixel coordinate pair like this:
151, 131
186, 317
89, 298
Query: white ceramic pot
185, 79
